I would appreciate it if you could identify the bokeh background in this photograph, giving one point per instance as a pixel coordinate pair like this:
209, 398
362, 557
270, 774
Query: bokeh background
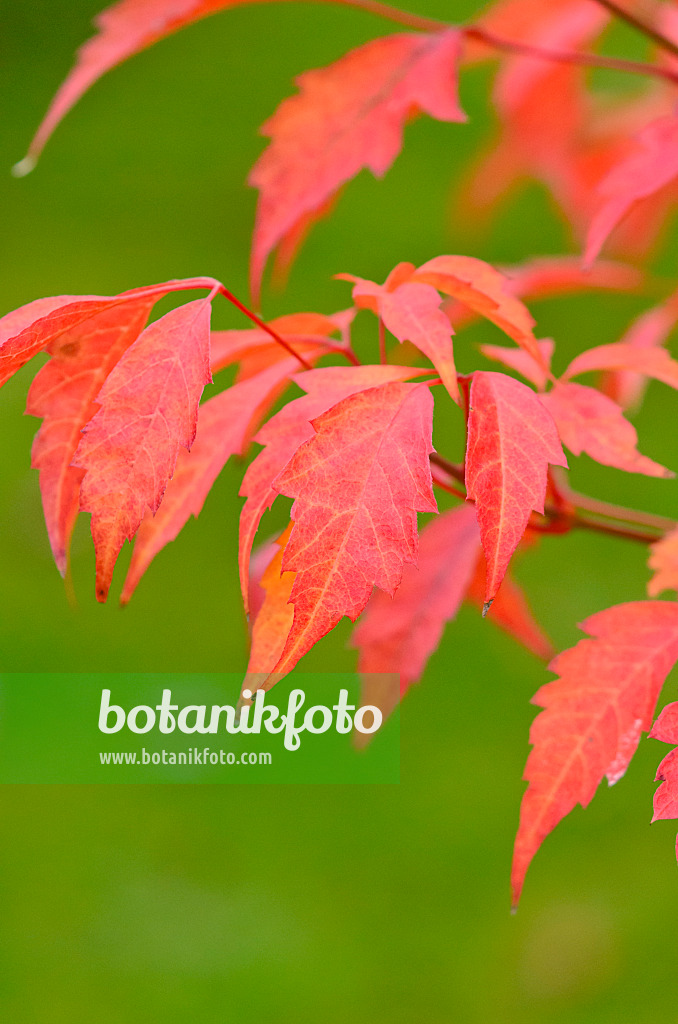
301, 903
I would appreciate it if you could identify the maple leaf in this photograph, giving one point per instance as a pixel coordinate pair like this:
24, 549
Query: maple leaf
34, 327
347, 117
517, 359
226, 424
62, 394
590, 422
411, 312
593, 716
148, 409
355, 527
399, 633
664, 561
651, 165
283, 434
511, 440
665, 798
483, 289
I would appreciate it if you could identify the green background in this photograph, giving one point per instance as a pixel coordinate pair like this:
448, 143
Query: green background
300, 904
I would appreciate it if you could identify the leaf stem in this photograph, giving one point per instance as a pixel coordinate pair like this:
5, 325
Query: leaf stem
382, 342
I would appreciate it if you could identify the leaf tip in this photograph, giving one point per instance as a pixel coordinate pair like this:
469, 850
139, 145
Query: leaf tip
24, 167
486, 607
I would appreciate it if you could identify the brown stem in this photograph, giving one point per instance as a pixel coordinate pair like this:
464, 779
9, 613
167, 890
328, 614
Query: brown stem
606, 510
587, 60
441, 481
640, 26
453, 469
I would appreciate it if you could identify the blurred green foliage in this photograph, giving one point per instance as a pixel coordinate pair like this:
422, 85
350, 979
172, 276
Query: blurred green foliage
379, 904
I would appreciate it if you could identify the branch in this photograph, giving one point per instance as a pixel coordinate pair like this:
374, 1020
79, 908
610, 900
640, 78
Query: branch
640, 26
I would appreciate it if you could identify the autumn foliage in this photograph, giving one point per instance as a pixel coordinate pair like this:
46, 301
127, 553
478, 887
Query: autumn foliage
126, 438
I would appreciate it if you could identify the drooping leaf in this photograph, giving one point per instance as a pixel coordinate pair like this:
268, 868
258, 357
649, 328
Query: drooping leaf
590, 422
652, 164
399, 633
511, 440
664, 561
226, 424
484, 290
148, 410
358, 484
63, 394
593, 716
411, 312
287, 430
518, 359
347, 117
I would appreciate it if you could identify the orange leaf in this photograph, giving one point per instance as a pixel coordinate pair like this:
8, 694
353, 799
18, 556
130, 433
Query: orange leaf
511, 440
149, 409
63, 394
347, 117
287, 430
358, 484
593, 716
225, 427
590, 422
399, 633
484, 290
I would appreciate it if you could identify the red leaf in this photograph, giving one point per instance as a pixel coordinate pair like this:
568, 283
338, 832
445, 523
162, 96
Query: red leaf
511, 440
288, 429
26, 331
63, 394
399, 633
411, 312
358, 484
651, 165
518, 359
346, 117
511, 612
593, 716
650, 362
664, 560
225, 427
485, 290
665, 800
149, 408
123, 30
590, 422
